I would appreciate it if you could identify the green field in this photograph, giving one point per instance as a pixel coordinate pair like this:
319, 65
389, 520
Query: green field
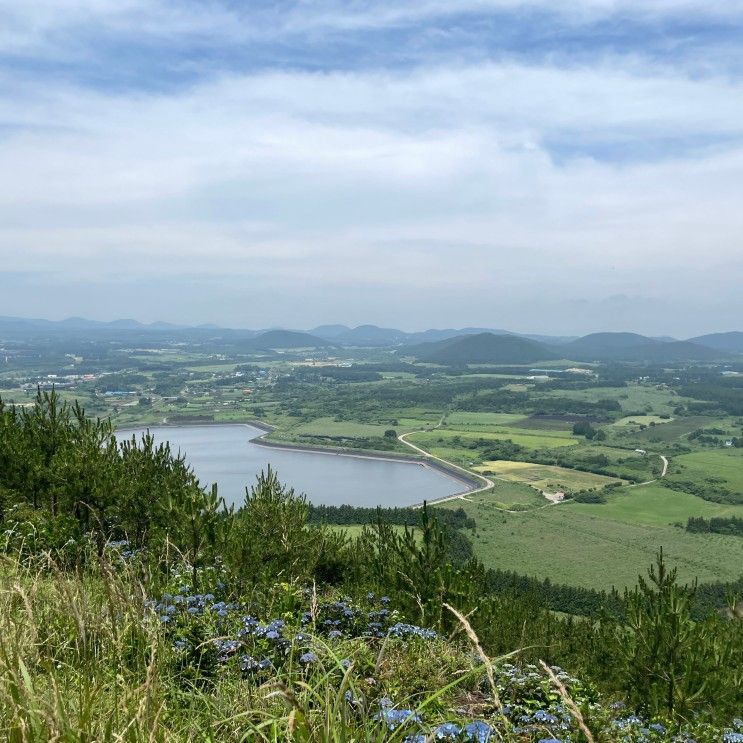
675, 431
633, 398
531, 440
655, 505
726, 465
330, 427
581, 545
480, 421
509, 495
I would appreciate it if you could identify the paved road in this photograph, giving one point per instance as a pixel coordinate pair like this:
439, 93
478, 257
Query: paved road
487, 484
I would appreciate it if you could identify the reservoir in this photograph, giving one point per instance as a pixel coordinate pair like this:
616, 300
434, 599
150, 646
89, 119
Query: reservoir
227, 455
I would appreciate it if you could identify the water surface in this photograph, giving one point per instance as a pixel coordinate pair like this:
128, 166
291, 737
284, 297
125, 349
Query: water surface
226, 455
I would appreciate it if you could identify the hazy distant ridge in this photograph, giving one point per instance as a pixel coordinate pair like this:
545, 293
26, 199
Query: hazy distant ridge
465, 345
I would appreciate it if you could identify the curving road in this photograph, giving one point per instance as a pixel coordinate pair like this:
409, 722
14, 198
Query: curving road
665, 465
487, 483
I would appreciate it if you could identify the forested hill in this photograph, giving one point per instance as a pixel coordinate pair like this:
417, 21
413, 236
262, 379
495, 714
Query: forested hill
634, 347
287, 339
483, 348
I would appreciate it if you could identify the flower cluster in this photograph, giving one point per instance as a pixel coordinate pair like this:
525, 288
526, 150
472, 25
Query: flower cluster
338, 619
532, 708
410, 630
393, 718
171, 606
257, 648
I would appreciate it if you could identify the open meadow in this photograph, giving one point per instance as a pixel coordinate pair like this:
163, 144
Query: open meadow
585, 545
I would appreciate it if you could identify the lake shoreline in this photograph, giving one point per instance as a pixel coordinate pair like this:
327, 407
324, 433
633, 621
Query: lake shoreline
471, 484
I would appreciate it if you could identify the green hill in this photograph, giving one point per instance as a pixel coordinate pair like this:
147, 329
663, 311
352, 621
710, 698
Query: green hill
728, 342
371, 336
483, 348
634, 347
287, 339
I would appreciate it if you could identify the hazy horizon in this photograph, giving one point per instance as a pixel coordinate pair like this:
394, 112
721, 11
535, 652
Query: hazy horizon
309, 328
541, 167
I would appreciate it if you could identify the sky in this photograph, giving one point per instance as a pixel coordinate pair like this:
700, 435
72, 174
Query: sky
535, 165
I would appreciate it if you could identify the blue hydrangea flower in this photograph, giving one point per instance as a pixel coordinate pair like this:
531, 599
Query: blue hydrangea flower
307, 659
393, 718
543, 717
478, 731
447, 731
410, 630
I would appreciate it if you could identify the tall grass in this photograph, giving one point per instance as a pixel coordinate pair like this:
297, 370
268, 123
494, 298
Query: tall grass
79, 661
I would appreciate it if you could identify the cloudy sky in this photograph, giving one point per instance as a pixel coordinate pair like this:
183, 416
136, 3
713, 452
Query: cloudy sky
543, 165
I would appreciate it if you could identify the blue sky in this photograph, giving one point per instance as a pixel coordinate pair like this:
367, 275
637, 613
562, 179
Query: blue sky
541, 166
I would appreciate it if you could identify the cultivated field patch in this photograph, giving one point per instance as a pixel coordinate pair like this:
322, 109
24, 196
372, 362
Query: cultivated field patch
528, 439
544, 476
477, 421
641, 420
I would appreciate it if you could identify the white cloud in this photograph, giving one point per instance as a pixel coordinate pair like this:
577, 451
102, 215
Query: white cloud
431, 181
63, 27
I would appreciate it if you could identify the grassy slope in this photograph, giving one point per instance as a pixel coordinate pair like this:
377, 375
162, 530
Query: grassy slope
588, 546
655, 505
725, 464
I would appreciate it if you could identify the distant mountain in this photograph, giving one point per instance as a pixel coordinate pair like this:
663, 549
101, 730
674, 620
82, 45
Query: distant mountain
329, 332
287, 339
728, 342
434, 335
634, 347
483, 348
80, 323
126, 324
160, 325
371, 336
549, 340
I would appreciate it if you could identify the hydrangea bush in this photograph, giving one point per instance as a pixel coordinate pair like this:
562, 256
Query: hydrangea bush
367, 651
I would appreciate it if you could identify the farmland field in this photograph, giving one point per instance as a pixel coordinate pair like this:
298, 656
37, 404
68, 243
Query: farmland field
480, 421
545, 477
528, 439
642, 420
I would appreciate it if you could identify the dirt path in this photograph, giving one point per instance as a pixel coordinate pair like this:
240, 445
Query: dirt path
662, 474
665, 466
